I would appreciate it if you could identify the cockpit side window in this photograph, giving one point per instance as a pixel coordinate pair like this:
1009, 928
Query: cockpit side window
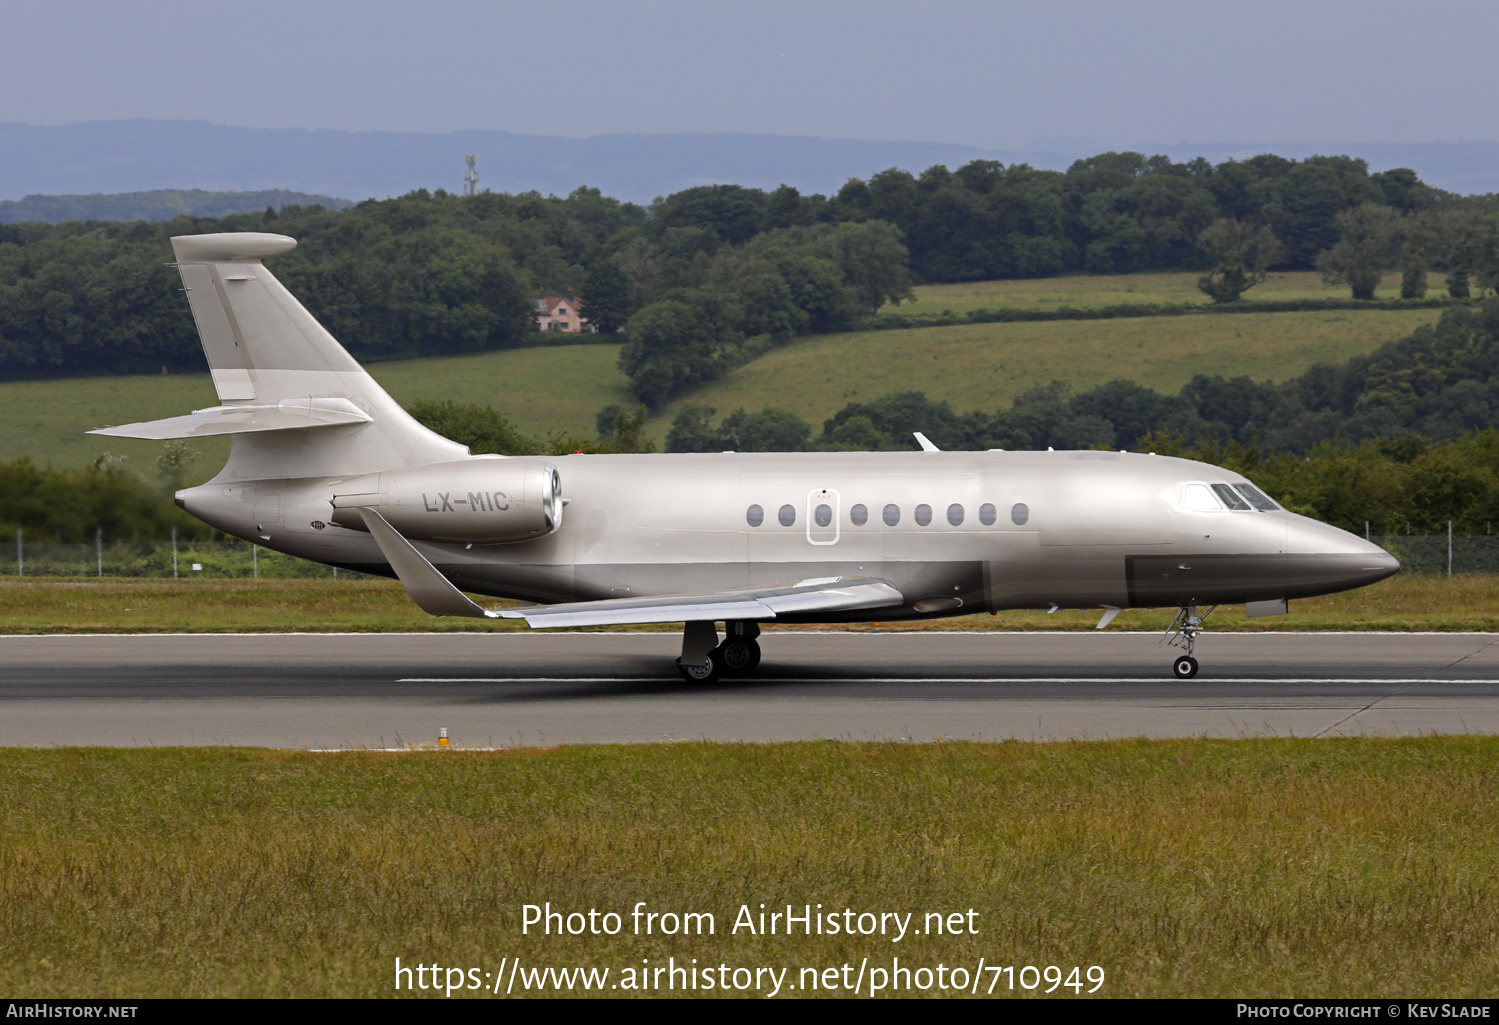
1230, 499
1198, 498
1256, 498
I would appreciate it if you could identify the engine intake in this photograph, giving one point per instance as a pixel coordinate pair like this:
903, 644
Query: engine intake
476, 501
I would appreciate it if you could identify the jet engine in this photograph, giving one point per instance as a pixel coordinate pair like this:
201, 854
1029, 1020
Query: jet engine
475, 501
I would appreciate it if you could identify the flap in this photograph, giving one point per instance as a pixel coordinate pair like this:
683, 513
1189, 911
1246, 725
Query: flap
203, 423
759, 603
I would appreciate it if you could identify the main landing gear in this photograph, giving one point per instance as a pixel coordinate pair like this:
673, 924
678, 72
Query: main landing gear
1182, 633
705, 660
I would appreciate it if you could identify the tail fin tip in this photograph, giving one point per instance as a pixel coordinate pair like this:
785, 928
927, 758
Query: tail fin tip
230, 246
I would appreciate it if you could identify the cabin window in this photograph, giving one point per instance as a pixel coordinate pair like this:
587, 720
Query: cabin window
858, 515
823, 515
1230, 499
1020, 513
892, 515
923, 514
754, 516
988, 514
1256, 498
787, 515
955, 514
1197, 498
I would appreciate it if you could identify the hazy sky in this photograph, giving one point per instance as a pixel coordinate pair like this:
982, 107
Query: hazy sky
998, 74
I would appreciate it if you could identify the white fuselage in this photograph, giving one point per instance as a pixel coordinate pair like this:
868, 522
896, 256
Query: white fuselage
972, 531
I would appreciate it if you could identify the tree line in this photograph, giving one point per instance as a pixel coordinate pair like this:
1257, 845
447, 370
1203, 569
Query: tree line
712, 275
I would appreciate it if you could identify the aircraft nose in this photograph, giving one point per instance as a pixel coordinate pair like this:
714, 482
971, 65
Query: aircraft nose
1342, 560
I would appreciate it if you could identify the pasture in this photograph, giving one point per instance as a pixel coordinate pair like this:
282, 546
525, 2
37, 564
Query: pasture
984, 366
1090, 291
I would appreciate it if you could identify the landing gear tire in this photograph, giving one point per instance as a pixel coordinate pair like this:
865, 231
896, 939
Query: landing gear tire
707, 671
738, 656
1184, 667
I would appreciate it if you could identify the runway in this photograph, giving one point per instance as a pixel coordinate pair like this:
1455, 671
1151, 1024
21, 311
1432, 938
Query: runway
506, 689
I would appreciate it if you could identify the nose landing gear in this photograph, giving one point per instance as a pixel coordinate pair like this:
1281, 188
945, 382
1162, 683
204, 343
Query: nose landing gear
1182, 633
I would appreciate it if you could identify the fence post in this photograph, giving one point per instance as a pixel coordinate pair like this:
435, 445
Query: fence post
255, 559
1449, 548
20, 554
174, 553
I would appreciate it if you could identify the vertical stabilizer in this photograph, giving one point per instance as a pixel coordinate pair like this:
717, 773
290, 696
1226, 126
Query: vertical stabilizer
264, 348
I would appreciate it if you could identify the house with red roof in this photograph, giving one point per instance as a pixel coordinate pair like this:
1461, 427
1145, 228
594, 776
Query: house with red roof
561, 313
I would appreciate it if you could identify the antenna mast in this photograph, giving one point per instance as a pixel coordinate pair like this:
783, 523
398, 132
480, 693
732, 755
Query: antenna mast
471, 176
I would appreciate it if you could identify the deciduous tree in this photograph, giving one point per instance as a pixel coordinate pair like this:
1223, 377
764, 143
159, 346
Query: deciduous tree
1363, 249
1242, 254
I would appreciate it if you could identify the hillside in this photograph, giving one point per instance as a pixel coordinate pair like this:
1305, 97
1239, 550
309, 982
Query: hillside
560, 388
983, 366
155, 205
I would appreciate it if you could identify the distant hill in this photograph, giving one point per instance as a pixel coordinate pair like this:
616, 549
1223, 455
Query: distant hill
125, 156
155, 205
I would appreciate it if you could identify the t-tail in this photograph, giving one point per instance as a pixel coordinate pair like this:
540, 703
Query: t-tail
291, 398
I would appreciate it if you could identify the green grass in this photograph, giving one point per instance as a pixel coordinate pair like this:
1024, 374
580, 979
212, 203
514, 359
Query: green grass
88, 605
1287, 868
983, 366
1089, 291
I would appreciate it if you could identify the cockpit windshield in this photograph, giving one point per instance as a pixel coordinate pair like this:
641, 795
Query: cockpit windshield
1230, 499
1256, 498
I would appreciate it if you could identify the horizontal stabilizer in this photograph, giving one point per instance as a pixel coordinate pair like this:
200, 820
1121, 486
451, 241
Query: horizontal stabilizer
285, 416
757, 603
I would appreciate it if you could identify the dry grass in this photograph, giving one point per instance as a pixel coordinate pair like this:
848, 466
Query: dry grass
1306, 868
1405, 602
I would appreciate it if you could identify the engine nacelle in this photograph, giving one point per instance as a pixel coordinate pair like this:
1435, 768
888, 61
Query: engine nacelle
475, 501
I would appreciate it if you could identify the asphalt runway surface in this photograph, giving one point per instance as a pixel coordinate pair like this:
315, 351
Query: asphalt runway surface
506, 689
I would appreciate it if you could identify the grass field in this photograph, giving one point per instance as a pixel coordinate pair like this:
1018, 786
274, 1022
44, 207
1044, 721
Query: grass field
1289, 868
1404, 602
1089, 291
983, 366
560, 388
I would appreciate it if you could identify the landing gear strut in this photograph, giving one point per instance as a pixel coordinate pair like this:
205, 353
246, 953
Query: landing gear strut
704, 660
1182, 633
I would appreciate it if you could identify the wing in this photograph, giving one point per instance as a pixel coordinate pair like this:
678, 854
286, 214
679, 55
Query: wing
827, 594
437, 595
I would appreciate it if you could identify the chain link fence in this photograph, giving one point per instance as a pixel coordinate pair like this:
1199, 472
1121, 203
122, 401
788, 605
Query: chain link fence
229, 558
1437, 553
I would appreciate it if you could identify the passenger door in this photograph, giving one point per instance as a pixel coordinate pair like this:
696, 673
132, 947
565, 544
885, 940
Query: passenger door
824, 513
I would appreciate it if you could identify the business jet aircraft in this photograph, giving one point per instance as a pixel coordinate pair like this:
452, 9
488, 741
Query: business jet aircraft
326, 466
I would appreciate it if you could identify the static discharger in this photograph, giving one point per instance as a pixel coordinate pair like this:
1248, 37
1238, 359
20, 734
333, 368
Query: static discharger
442, 737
